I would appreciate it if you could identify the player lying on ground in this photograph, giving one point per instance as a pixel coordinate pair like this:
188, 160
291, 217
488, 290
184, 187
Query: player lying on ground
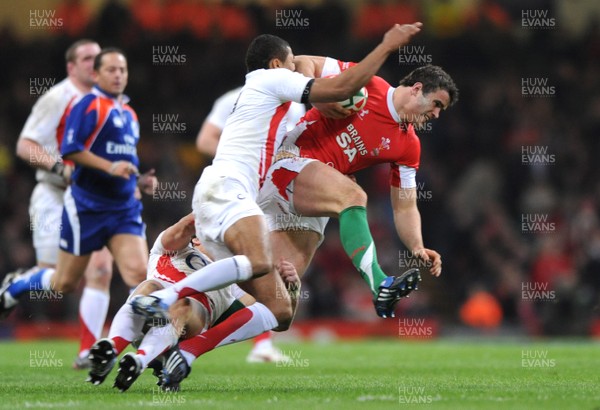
172, 258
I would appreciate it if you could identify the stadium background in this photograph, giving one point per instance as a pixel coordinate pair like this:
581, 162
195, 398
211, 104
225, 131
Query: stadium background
508, 183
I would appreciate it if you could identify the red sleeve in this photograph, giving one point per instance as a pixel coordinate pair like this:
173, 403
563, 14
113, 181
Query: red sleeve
409, 157
344, 65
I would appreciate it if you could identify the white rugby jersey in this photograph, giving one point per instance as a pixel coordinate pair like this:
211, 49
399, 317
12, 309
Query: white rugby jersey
169, 267
172, 266
224, 105
256, 126
46, 124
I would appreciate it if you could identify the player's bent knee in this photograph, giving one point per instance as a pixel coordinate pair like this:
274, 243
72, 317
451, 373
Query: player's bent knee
98, 277
98, 272
356, 196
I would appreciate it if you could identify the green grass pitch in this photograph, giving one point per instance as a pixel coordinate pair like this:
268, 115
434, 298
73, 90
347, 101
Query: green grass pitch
375, 374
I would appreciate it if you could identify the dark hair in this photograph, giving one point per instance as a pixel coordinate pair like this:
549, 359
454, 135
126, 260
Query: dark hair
107, 50
263, 49
71, 53
433, 78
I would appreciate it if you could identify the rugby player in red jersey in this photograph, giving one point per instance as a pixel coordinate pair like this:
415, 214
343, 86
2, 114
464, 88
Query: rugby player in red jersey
309, 179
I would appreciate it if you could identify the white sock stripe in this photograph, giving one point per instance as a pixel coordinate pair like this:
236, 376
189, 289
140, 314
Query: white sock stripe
172, 362
71, 209
366, 263
244, 267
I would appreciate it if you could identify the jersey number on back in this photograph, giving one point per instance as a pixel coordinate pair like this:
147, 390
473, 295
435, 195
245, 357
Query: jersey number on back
344, 140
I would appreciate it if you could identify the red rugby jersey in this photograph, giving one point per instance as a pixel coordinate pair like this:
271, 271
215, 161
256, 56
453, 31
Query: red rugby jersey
371, 136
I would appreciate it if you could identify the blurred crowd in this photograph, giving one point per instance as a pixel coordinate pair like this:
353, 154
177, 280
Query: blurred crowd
509, 193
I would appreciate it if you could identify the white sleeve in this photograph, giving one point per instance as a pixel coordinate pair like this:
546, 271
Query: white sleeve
408, 177
331, 67
294, 115
286, 85
44, 119
222, 108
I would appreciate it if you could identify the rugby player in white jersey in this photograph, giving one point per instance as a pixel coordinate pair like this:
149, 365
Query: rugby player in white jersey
224, 200
176, 253
263, 350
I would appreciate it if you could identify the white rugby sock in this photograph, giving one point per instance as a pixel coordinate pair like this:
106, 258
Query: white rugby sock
156, 341
217, 275
243, 324
126, 327
93, 308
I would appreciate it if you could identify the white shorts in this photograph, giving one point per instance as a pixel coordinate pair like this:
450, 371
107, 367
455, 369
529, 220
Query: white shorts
221, 198
45, 213
276, 199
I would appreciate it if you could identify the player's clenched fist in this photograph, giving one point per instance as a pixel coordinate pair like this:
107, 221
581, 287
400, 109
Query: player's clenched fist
288, 273
400, 35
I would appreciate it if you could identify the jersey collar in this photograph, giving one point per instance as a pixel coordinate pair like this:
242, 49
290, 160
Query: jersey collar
99, 91
390, 104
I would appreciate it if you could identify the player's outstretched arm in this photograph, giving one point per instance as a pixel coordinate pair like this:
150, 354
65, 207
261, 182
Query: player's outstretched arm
312, 66
350, 81
407, 220
178, 236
